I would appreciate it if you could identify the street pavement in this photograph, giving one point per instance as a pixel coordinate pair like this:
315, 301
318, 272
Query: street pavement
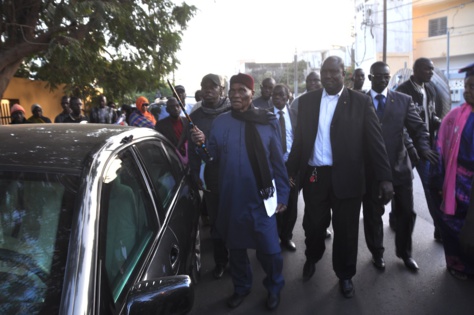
430, 291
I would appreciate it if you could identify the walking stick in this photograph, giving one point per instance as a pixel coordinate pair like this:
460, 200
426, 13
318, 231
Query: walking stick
191, 124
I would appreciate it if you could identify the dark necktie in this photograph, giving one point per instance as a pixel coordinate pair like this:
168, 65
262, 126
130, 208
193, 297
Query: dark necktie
283, 131
381, 106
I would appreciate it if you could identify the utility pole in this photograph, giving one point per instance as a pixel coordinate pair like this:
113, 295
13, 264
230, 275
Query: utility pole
447, 53
384, 56
295, 72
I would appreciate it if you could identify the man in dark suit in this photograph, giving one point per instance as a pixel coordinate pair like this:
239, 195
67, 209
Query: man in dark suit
265, 100
395, 111
287, 118
174, 127
336, 128
429, 106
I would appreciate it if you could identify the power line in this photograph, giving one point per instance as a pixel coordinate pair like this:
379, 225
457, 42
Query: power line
428, 14
399, 6
424, 32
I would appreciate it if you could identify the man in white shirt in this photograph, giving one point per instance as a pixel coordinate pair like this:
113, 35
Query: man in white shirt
337, 130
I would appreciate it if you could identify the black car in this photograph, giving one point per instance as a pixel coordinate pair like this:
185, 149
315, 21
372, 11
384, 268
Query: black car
95, 219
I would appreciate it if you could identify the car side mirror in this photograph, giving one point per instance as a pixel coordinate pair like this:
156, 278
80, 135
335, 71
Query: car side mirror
167, 295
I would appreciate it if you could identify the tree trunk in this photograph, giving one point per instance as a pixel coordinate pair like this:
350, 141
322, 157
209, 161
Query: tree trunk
7, 73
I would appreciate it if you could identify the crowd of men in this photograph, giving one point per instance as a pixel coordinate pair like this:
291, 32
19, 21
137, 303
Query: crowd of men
342, 147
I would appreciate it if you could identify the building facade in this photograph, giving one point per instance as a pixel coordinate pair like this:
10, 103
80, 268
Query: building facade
443, 30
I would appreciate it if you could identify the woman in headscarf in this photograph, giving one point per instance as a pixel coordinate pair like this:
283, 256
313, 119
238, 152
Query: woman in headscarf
453, 177
141, 117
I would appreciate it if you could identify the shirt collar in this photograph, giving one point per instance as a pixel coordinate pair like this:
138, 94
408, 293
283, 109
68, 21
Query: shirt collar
325, 94
276, 110
374, 94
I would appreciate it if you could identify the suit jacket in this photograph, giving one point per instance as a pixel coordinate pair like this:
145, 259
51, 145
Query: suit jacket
355, 131
259, 102
165, 127
293, 119
400, 112
291, 112
434, 103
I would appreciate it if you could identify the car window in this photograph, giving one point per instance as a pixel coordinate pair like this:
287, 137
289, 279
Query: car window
130, 221
164, 175
35, 221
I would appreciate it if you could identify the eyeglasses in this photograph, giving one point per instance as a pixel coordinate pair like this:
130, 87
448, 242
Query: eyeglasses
381, 76
145, 104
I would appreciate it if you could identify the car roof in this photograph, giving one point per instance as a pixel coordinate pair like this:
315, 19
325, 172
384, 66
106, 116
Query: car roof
60, 146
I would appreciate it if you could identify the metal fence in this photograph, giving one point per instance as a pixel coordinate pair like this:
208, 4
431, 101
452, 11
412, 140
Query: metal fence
5, 112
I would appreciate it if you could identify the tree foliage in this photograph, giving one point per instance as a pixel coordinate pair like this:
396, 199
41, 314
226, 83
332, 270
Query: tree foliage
119, 45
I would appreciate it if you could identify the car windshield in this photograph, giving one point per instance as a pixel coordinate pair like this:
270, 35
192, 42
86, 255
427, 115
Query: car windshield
35, 221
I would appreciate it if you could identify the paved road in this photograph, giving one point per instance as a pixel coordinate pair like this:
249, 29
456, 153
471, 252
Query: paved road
431, 291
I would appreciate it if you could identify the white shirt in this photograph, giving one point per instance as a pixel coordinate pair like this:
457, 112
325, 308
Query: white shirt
373, 94
288, 128
425, 107
322, 151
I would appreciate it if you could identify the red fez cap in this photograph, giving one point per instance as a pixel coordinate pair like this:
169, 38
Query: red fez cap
244, 79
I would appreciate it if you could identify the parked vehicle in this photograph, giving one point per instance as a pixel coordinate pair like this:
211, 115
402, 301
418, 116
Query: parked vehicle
95, 219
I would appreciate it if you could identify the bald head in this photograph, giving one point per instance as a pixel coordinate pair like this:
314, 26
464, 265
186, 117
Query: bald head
332, 74
267, 88
423, 70
313, 81
358, 77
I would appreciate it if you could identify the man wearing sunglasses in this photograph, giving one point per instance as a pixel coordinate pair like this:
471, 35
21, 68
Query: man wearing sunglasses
395, 111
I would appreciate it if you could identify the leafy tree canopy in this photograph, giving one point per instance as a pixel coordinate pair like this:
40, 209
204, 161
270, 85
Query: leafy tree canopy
121, 46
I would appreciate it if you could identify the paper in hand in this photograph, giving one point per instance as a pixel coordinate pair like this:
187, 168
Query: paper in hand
272, 202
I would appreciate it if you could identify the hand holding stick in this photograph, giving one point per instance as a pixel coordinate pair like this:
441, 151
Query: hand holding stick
200, 140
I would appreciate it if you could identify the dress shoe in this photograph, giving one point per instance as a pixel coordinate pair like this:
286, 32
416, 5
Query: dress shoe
273, 300
378, 262
236, 299
411, 264
218, 271
347, 288
288, 244
308, 270
328, 234
458, 274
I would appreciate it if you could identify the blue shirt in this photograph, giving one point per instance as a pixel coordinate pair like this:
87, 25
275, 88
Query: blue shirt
289, 130
373, 94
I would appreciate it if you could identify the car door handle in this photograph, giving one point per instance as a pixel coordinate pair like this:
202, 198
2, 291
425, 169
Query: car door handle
174, 255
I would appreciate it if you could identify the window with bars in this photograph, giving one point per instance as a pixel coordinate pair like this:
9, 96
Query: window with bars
438, 26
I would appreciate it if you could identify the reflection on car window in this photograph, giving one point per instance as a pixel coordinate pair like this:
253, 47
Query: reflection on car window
162, 173
35, 219
130, 224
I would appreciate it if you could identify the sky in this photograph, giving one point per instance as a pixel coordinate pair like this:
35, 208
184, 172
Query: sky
225, 33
